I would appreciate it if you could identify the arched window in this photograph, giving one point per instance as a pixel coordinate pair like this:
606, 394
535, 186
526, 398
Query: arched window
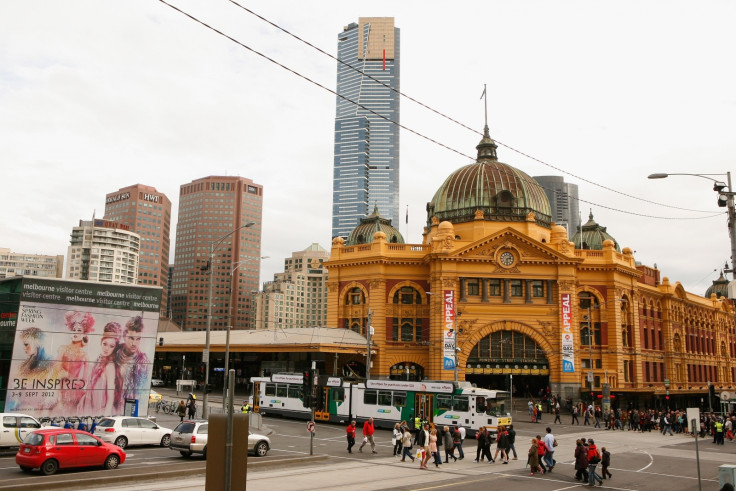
590, 325
407, 323
355, 296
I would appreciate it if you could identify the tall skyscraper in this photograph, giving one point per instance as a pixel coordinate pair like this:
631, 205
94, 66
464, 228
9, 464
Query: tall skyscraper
102, 250
563, 201
366, 165
298, 296
148, 213
211, 210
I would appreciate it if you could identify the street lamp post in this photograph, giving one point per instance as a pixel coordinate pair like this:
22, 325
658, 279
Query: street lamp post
725, 199
206, 355
368, 334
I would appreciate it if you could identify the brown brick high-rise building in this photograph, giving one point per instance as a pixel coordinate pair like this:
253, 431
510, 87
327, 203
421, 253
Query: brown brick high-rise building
148, 213
210, 209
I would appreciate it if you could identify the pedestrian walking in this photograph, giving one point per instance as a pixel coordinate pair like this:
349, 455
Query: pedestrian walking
192, 408
351, 436
512, 441
424, 444
463, 432
368, 431
396, 440
181, 411
433, 450
541, 450
594, 458
484, 445
605, 462
557, 415
581, 461
575, 419
502, 445
449, 443
533, 458
406, 446
550, 443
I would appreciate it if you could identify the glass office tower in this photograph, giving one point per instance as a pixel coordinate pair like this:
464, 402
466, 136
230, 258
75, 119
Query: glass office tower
366, 172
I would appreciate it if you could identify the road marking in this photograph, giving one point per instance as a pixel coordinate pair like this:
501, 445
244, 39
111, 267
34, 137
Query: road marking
651, 461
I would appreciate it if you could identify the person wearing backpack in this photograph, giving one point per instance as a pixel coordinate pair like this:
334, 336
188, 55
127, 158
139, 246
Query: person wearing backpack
605, 462
594, 458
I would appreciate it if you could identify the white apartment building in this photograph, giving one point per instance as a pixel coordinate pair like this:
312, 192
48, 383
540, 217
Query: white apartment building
105, 251
298, 296
20, 264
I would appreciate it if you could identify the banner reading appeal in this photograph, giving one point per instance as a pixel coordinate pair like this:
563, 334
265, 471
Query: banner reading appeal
568, 344
449, 334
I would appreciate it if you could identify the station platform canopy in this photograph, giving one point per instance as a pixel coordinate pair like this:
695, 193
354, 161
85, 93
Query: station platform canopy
294, 340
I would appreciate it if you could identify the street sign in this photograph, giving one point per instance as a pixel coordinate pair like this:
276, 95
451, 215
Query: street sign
590, 376
666, 383
310, 426
205, 356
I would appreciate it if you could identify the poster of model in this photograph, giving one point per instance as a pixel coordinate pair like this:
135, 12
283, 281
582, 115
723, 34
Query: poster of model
82, 360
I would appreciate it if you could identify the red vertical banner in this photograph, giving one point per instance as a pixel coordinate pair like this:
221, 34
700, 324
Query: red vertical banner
384, 59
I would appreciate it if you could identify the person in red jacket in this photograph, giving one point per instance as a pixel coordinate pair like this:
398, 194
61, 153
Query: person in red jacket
351, 435
594, 458
368, 430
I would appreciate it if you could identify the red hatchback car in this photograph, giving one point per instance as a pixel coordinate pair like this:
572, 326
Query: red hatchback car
50, 449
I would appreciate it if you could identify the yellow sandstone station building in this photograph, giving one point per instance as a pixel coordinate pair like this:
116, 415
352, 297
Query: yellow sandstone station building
495, 282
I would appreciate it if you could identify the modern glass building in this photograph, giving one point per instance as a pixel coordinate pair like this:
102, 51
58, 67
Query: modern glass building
366, 172
563, 201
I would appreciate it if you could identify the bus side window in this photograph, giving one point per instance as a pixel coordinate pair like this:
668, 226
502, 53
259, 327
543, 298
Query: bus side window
480, 404
444, 402
384, 398
271, 389
281, 390
460, 403
370, 397
399, 399
338, 395
294, 391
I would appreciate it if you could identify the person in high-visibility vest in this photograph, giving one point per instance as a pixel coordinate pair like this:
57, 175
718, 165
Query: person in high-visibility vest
719, 432
245, 408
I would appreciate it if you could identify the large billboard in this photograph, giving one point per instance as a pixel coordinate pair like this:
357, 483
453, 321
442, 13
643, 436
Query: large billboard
82, 348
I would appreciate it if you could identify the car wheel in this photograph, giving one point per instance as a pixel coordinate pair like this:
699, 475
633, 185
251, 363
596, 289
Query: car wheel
112, 461
25, 468
261, 449
121, 442
185, 453
49, 467
166, 440
204, 452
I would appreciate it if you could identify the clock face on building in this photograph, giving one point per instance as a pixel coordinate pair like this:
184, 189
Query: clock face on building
507, 259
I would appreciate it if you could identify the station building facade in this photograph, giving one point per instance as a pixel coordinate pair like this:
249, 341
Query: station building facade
498, 281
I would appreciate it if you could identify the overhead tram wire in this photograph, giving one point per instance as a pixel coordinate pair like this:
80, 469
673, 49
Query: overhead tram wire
304, 77
445, 116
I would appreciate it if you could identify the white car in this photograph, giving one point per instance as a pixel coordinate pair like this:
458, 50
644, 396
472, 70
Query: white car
14, 427
157, 382
128, 430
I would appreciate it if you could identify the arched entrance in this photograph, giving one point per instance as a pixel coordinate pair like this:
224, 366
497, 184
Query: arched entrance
503, 353
407, 370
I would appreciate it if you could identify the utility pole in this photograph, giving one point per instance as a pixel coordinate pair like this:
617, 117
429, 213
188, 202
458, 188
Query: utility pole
368, 334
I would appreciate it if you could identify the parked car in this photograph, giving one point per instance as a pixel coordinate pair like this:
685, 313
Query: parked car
50, 449
190, 437
128, 430
14, 427
154, 397
157, 382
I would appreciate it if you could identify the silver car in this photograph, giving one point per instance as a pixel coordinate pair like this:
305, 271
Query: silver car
190, 437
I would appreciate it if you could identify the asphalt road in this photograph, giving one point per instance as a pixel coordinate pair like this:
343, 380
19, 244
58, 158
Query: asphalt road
640, 461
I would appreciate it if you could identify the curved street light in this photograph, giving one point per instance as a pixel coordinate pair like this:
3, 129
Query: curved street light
725, 199
206, 355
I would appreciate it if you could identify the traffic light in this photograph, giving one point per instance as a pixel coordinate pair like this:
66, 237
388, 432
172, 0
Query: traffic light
308, 384
319, 399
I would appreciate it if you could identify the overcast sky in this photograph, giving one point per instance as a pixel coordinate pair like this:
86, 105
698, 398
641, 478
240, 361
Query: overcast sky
97, 95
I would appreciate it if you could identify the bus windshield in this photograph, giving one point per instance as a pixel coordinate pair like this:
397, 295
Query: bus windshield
498, 406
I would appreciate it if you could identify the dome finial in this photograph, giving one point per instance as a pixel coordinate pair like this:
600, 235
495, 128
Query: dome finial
486, 147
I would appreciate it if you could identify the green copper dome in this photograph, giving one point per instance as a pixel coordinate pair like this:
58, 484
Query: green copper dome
502, 192
592, 236
363, 233
719, 287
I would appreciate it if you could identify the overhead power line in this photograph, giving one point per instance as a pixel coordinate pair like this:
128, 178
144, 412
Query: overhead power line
421, 135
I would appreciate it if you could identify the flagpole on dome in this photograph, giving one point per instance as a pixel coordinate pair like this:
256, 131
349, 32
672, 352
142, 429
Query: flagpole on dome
484, 95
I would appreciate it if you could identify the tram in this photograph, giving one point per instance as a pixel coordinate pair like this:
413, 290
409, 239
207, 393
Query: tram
386, 401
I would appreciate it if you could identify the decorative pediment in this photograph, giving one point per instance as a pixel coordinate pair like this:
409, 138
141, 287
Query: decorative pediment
525, 248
